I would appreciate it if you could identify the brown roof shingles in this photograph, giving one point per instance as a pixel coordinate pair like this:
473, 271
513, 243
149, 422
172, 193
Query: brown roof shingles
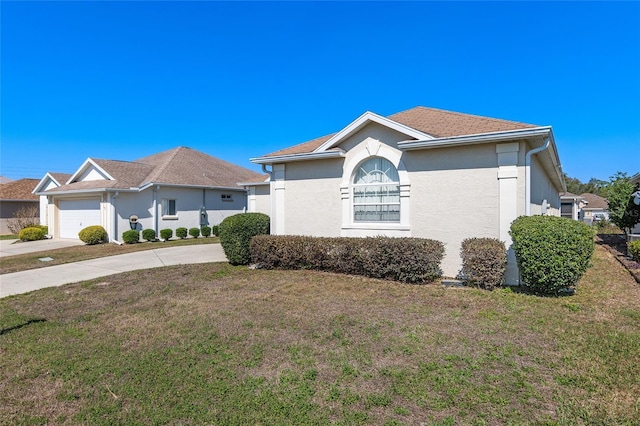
19, 190
178, 166
435, 122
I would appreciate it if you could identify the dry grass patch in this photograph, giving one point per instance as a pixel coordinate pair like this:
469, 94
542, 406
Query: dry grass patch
215, 344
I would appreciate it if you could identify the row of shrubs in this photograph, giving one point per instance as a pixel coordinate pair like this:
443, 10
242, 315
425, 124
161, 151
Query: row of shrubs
410, 260
133, 236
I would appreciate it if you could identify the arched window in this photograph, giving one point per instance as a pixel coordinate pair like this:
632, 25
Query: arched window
376, 192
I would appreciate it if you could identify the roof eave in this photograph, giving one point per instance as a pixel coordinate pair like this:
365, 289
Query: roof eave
474, 138
306, 156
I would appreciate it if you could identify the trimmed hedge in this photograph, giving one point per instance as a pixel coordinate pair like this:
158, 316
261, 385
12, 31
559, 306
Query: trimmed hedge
194, 232
484, 261
236, 232
410, 260
149, 234
94, 234
166, 234
131, 236
215, 230
31, 233
205, 231
182, 233
552, 252
634, 250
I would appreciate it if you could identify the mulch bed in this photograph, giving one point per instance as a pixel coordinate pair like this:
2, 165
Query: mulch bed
617, 246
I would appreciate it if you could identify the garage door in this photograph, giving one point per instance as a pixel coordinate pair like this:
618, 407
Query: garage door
75, 215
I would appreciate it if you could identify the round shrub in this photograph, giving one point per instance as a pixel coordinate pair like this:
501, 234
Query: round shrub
131, 237
94, 234
634, 250
215, 230
552, 252
166, 234
205, 231
149, 234
194, 232
236, 232
484, 261
181, 233
31, 233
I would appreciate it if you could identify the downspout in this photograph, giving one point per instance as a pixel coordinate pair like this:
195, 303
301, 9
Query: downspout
527, 191
114, 215
155, 209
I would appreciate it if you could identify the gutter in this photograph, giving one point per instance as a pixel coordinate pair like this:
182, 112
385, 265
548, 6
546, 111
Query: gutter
474, 139
527, 179
298, 157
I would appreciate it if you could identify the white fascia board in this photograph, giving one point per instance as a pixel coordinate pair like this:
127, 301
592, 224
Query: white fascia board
365, 119
254, 183
43, 182
78, 191
298, 157
178, 185
474, 139
88, 163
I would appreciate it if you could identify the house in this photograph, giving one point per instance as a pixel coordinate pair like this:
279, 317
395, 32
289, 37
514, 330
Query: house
15, 196
596, 208
571, 205
422, 172
49, 181
180, 187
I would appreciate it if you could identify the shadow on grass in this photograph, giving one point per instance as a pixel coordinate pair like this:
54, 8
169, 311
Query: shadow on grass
24, 324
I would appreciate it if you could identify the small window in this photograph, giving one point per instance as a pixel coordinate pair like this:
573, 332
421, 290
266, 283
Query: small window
168, 207
226, 197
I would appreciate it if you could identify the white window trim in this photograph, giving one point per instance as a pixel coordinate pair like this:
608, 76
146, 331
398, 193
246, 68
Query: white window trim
373, 148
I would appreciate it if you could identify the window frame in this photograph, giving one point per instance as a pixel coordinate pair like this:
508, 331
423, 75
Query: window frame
167, 210
380, 179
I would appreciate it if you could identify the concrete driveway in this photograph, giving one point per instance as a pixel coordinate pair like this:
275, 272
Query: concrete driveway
51, 276
14, 247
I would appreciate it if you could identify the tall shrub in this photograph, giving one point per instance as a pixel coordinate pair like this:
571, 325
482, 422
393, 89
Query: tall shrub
484, 261
552, 252
236, 232
94, 234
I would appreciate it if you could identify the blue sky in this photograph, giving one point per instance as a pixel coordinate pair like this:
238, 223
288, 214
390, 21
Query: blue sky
122, 80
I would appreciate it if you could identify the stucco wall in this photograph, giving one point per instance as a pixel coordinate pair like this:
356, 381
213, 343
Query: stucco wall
7, 211
543, 189
454, 195
258, 199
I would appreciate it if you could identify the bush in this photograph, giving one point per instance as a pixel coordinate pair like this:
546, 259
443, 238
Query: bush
24, 217
131, 237
166, 234
149, 234
45, 229
206, 231
215, 230
484, 261
181, 233
31, 233
236, 232
194, 232
634, 250
412, 260
94, 234
552, 252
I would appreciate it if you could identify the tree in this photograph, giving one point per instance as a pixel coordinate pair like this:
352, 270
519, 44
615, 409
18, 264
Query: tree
24, 217
575, 186
622, 210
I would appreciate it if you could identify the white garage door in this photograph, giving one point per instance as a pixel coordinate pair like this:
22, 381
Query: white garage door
77, 214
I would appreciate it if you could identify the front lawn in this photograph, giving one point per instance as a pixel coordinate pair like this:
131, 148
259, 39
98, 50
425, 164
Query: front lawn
216, 344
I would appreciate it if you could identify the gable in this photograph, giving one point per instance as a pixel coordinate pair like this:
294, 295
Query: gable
372, 131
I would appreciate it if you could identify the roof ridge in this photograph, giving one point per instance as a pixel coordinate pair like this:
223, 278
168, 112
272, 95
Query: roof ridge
158, 169
482, 117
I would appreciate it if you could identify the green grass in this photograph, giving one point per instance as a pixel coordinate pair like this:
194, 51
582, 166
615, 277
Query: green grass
28, 261
8, 237
216, 344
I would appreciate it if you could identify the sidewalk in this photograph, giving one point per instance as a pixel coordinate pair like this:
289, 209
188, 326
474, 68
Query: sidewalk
34, 279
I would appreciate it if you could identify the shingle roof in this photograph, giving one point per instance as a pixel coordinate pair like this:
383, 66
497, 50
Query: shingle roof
178, 166
62, 178
19, 190
595, 201
435, 122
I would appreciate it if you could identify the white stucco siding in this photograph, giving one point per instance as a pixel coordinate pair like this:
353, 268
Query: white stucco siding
374, 131
218, 208
258, 199
543, 189
312, 198
454, 195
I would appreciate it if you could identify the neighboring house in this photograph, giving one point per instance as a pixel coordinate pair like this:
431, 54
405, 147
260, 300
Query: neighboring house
423, 173
596, 208
16, 195
5, 180
571, 205
180, 187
